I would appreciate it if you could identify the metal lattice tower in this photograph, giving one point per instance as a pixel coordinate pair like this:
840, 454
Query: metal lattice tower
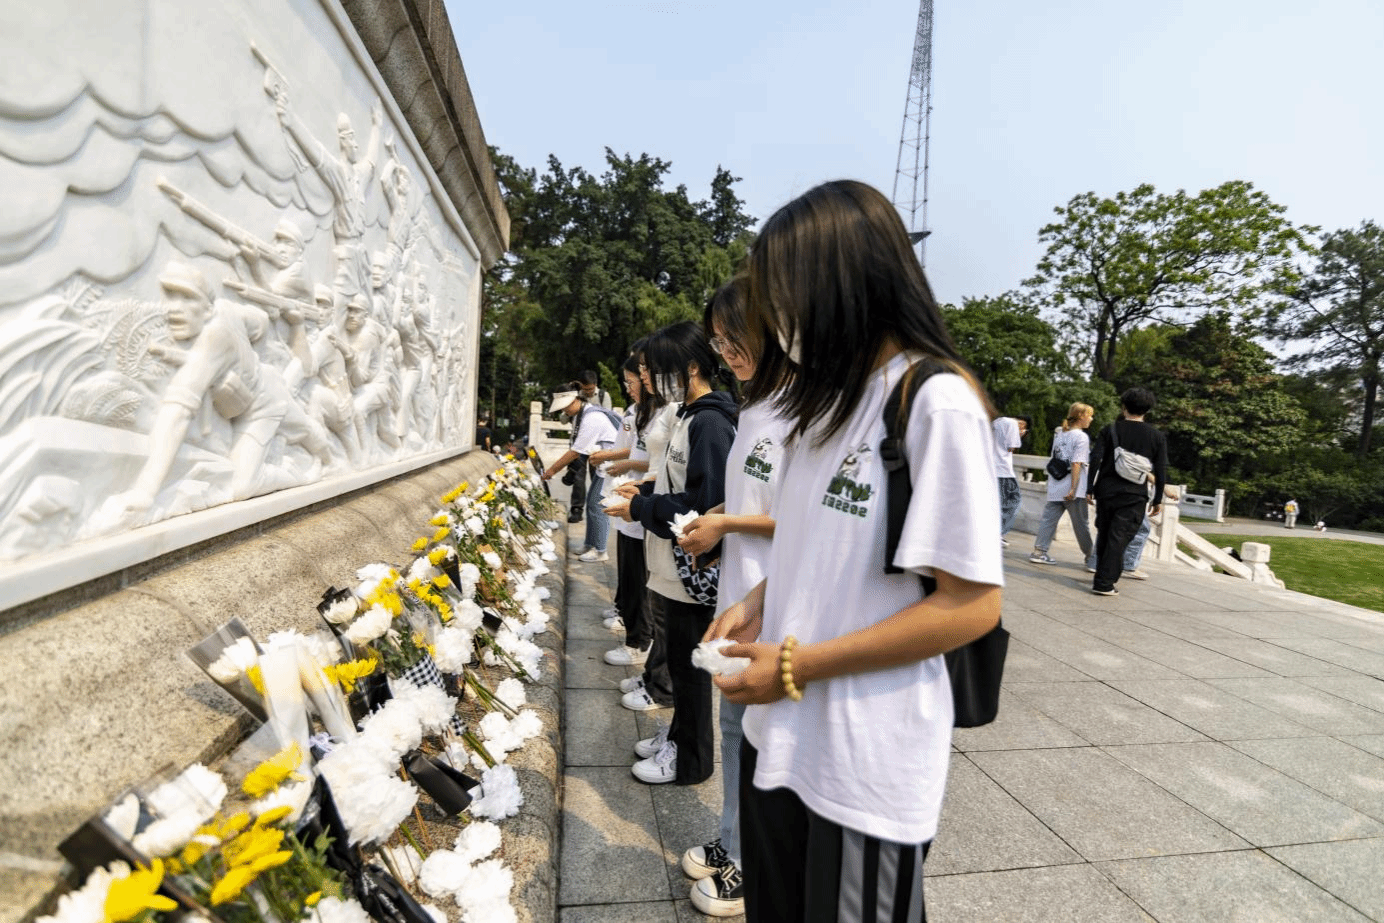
913, 140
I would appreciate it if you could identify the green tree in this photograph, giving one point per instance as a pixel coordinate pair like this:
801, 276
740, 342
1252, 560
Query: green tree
1337, 311
1221, 404
724, 214
1113, 264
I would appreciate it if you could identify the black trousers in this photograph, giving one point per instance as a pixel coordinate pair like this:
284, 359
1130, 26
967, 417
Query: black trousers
1118, 518
803, 868
578, 467
631, 575
691, 729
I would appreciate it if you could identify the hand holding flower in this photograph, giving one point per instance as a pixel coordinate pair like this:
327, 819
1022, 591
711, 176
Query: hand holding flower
758, 684
701, 534
627, 490
619, 509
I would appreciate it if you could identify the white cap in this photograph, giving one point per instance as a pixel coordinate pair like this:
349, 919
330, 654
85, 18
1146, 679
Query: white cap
562, 400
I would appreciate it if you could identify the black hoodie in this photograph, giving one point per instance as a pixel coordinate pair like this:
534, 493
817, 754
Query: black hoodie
695, 469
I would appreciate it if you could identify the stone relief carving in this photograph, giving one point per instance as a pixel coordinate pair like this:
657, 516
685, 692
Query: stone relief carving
200, 300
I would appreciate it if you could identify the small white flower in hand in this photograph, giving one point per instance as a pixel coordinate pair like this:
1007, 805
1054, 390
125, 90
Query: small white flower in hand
708, 657
682, 521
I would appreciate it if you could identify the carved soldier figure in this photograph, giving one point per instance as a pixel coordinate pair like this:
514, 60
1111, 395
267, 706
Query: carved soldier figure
216, 360
330, 398
366, 350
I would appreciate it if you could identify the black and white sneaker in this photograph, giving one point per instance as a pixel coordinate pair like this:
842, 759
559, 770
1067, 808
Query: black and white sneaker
706, 860
722, 894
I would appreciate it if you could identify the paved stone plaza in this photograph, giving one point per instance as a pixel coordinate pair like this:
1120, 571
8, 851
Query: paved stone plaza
1197, 749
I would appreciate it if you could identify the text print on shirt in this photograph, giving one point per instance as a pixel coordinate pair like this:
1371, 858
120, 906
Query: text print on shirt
676, 456
757, 464
845, 493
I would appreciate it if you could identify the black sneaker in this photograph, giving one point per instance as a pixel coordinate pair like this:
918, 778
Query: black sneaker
574, 517
721, 895
705, 861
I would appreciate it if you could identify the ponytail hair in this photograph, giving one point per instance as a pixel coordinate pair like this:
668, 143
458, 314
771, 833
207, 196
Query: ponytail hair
1075, 413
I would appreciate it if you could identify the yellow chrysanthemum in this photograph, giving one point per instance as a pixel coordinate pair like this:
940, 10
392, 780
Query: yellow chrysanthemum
347, 674
270, 774
230, 886
442, 581
439, 520
271, 861
230, 826
420, 544
256, 677
437, 556
273, 815
416, 586
440, 534
137, 892
444, 612
312, 899
252, 845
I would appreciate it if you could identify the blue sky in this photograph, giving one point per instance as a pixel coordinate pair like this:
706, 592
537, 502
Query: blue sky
1032, 103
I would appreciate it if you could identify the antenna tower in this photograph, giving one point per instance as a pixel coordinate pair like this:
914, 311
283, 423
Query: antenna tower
913, 140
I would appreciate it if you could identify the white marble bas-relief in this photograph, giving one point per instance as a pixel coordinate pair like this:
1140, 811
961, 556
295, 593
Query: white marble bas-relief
201, 300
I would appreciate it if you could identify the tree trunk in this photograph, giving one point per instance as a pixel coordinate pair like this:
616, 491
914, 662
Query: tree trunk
1367, 416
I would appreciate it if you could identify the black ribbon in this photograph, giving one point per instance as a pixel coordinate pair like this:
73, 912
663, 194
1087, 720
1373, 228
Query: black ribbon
448, 787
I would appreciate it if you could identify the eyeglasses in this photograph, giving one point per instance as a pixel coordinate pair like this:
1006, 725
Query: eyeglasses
725, 348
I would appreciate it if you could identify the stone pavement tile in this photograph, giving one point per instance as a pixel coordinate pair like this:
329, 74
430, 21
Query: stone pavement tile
644, 912
688, 815
1305, 705
1269, 624
1349, 870
983, 829
1348, 774
1185, 624
585, 625
1101, 808
1273, 657
1243, 887
1340, 653
1087, 653
1214, 712
1186, 657
1026, 664
1044, 895
1374, 743
1362, 690
1103, 715
587, 670
689, 914
1018, 727
610, 845
1260, 804
595, 733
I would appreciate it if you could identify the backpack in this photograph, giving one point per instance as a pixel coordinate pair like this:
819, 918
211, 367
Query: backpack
975, 669
1130, 465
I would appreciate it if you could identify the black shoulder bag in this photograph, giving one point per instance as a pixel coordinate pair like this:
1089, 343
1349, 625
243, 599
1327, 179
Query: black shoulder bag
976, 668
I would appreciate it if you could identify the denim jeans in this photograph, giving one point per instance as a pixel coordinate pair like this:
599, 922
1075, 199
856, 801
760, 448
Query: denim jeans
1134, 552
1052, 513
1010, 498
731, 735
597, 522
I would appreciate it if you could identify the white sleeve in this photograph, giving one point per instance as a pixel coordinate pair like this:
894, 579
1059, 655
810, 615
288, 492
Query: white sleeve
1081, 448
595, 429
953, 521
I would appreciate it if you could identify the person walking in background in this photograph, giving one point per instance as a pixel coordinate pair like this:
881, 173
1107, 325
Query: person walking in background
591, 390
1290, 514
483, 434
1135, 552
1009, 434
849, 726
1065, 494
1121, 501
593, 429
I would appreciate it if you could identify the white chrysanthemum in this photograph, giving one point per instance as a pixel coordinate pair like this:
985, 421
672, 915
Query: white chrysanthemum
405, 860
123, 817
527, 724
167, 835
87, 904
467, 614
337, 910
477, 840
293, 795
492, 560
454, 647
342, 611
422, 570
397, 727
525, 652
511, 692
235, 659
443, 873
474, 525
499, 736
436, 912
499, 910
548, 556
500, 796
433, 708
681, 521
372, 624
197, 791
708, 657
488, 885
373, 801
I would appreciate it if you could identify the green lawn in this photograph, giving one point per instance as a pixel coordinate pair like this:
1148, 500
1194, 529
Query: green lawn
1348, 572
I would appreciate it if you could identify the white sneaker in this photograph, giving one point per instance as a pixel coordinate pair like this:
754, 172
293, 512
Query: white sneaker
626, 656
706, 860
614, 623
650, 746
631, 683
659, 768
722, 894
609, 614
639, 700
1135, 575
592, 556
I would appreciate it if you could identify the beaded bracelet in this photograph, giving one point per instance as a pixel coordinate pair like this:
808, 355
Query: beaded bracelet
786, 669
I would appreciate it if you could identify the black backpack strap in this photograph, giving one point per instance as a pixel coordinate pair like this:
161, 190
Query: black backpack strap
899, 485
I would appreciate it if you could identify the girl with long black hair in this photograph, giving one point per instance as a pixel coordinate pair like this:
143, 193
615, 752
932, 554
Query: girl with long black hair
848, 729
692, 480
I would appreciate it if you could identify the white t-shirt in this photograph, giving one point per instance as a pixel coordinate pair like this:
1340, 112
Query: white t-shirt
595, 433
1072, 446
628, 438
656, 438
752, 473
1007, 439
870, 750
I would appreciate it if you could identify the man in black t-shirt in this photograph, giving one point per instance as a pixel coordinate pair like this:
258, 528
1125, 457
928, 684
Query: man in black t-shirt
483, 434
1121, 503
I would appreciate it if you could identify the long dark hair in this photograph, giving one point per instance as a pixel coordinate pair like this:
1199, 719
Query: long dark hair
728, 308
650, 401
833, 271
672, 350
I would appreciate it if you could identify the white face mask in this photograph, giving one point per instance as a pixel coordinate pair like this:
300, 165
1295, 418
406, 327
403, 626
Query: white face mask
670, 387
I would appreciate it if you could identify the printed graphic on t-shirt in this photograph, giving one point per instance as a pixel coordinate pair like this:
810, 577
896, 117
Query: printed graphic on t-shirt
757, 464
845, 492
639, 443
676, 456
